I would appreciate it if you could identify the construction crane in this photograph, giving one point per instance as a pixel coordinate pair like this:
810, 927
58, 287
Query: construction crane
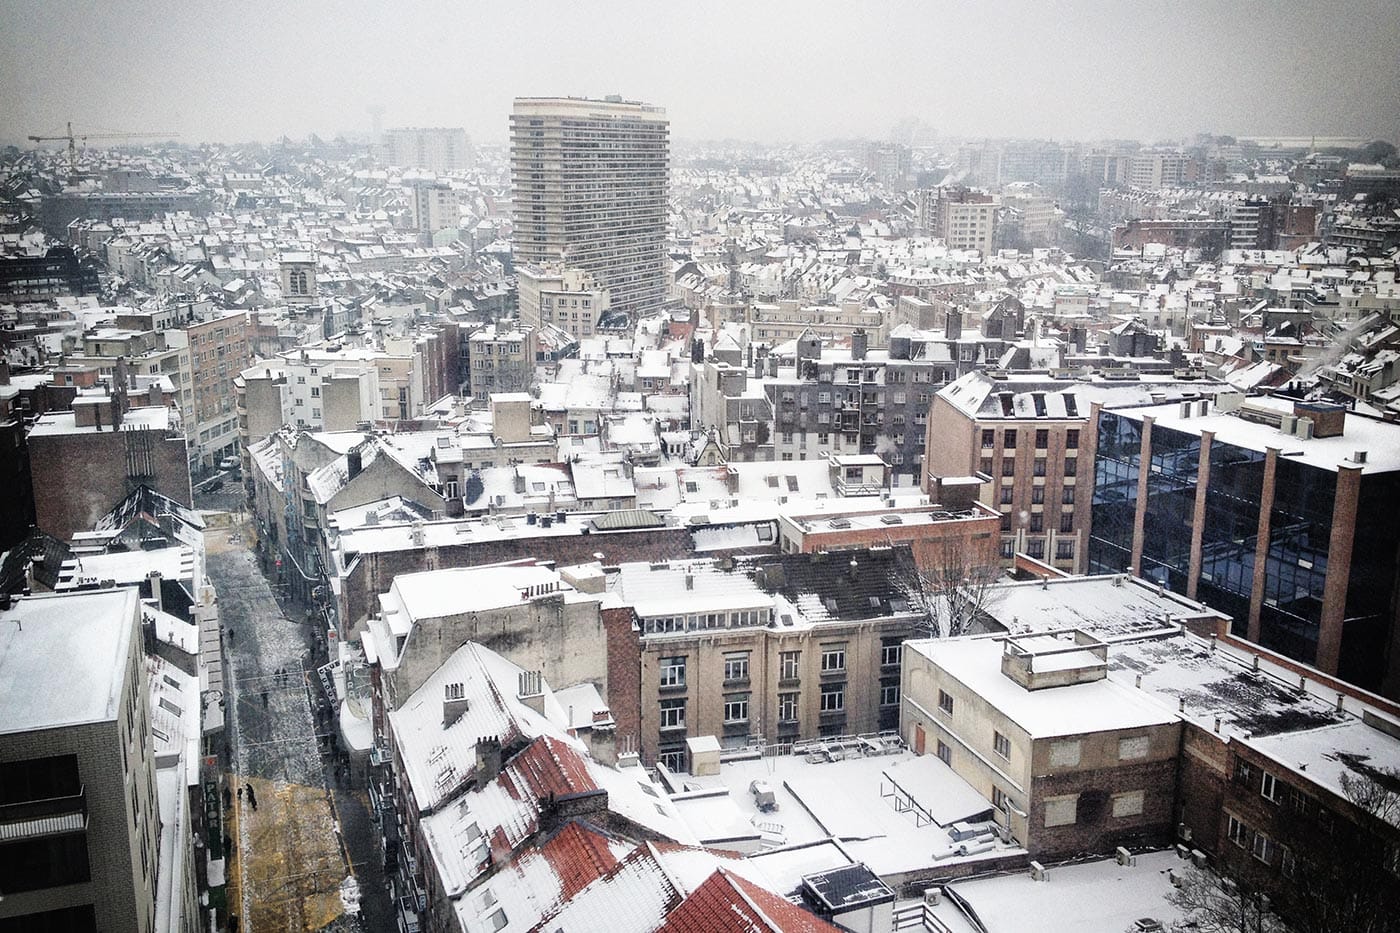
73, 139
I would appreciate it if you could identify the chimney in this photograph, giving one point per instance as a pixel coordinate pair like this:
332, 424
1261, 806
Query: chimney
860, 343
773, 365
4, 372
156, 595
454, 703
953, 324
154, 397
690, 581
531, 691
602, 738
354, 463
488, 760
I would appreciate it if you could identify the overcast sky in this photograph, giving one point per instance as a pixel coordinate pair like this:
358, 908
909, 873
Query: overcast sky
770, 71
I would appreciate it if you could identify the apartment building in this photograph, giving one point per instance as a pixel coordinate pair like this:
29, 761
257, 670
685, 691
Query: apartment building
219, 349
438, 149
767, 649
1273, 511
590, 190
501, 358
566, 297
963, 218
1072, 761
1031, 438
81, 841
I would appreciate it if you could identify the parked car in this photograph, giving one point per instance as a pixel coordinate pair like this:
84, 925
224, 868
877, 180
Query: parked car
214, 486
229, 463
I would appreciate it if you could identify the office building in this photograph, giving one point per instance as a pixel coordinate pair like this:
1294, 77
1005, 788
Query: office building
591, 186
567, 297
1277, 513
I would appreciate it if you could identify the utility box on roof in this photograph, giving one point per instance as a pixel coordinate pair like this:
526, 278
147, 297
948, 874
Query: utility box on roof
704, 755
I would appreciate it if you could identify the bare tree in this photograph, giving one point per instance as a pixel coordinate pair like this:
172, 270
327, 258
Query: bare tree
959, 587
1377, 792
1213, 904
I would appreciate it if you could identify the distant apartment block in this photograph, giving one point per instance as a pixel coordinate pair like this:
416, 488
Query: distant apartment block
590, 190
441, 150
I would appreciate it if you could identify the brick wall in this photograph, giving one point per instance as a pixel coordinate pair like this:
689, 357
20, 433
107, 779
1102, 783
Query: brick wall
78, 478
1096, 829
624, 672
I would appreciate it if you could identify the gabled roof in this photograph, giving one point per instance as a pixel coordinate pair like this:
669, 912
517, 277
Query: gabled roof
726, 903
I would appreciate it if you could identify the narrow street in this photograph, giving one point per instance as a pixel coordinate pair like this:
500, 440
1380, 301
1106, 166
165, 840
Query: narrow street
309, 830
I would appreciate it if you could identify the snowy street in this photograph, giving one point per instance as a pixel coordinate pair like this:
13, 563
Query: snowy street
290, 809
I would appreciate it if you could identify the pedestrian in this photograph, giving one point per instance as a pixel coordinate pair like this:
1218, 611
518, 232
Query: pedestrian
230, 635
228, 797
228, 845
240, 795
252, 798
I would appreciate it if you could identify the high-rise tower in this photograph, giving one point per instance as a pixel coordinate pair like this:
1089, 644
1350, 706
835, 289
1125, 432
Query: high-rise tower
591, 185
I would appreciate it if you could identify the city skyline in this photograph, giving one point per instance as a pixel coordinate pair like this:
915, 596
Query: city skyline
784, 73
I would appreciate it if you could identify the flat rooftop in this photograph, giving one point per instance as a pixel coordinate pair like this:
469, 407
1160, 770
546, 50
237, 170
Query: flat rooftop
62, 658
1380, 439
1093, 897
1106, 606
1075, 709
65, 422
853, 801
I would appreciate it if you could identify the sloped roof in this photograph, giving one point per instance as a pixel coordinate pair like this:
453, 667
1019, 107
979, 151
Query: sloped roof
726, 903
627, 518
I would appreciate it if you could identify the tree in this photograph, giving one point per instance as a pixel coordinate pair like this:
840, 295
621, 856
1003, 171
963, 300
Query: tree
1213, 904
959, 587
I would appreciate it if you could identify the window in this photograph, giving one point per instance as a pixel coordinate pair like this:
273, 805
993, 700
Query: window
1238, 832
945, 702
788, 661
1008, 494
44, 862
1128, 803
1067, 523
1038, 495
736, 707
1042, 439
1037, 523
787, 707
1067, 496
1263, 848
999, 798
833, 659
833, 698
1039, 468
673, 714
736, 666
1061, 811
673, 672
1008, 439
989, 437
1065, 754
1072, 439
945, 754
1286, 862
985, 466
1008, 466
1270, 788
1064, 550
891, 652
1071, 466
1001, 744
1244, 773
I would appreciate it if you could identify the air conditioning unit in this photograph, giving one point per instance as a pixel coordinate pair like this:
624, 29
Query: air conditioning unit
1176, 878
1037, 871
1183, 832
1148, 925
933, 897
1198, 858
1124, 857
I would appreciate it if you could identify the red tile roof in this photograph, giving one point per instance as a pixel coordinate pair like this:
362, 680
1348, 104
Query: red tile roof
726, 903
579, 856
549, 766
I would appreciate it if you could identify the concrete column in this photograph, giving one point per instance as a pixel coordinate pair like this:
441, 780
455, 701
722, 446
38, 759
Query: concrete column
1198, 517
1261, 546
1140, 515
1339, 548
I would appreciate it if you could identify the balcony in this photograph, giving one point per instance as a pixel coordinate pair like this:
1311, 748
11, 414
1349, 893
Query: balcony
30, 819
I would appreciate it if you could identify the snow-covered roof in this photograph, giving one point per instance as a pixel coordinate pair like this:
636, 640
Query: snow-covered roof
63, 658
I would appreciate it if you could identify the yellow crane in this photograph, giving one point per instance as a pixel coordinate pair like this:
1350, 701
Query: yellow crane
73, 139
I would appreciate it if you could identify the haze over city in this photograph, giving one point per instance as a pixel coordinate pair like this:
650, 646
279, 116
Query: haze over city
770, 72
